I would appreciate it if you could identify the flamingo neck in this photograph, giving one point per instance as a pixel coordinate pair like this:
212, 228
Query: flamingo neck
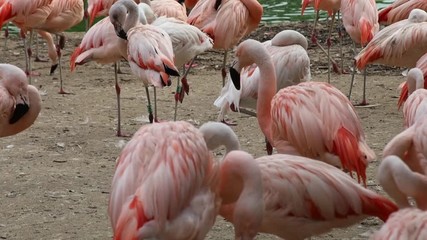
267, 88
28, 119
132, 18
255, 11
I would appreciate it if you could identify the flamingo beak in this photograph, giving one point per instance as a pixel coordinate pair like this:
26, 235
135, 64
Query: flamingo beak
235, 75
21, 109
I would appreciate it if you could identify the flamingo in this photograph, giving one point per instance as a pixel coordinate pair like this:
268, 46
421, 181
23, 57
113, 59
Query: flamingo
399, 10
360, 20
150, 52
20, 103
332, 7
408, 223
27, 15
288, 50
172, 159
400, 44
303, 198
169, 8
101, 44
312, 119
226, 22
422, 65
399, 181
415, 107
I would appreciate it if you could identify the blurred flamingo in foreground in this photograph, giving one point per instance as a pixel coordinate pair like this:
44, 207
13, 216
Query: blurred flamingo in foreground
405, 91
360, 19
150, 52
401, 44
20, 103
288, 50
167, 186
312, 119
303, 198
399, 10
408, 223
226, 22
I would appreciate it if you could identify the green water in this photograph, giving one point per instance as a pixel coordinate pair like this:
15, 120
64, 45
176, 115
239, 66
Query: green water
275, 11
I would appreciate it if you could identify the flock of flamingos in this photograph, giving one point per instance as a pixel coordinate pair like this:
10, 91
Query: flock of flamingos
167, 185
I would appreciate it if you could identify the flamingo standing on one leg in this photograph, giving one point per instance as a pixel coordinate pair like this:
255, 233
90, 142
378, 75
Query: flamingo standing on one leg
288, 50
101, 44
167, 186
20, 103
405, 92
332, 7
27, 15
360, 19
399, 10
408, 223
226, 22
150, 52
303, 198
312, 119
399, 44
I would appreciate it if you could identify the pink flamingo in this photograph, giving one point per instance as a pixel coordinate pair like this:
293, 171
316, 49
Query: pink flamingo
98, 8
168, 186
399, 181
415, 107
20, 102
150, 52
400, 44
408, 223
27, 15
288, 50
421, 65
399, 10
303, 198
360, 19
226, 22
312, 119
332, 7
101, 44
169, 8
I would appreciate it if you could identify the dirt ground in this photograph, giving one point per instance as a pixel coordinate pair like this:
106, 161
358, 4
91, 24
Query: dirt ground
55, 177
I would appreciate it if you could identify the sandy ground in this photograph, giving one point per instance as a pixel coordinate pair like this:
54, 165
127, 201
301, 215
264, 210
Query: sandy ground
55, 177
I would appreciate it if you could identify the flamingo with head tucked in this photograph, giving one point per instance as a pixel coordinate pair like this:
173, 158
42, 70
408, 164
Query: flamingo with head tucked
399, 10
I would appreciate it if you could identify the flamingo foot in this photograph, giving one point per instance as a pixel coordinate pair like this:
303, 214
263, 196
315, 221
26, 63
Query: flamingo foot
229, 123
314, 38
185, 85
61, 91
38, 59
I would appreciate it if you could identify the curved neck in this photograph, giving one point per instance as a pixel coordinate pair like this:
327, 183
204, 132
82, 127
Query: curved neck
132, 17
218, 134
415, 80
255, 11
28, 119
266, 90
241, 184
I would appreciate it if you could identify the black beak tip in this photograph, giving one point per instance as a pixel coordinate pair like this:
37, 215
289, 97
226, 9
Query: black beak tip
53, 68
122, 34
20, 110
235, 77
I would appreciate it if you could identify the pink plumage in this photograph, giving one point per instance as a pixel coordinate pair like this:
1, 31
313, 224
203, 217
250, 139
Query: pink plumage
422, 65
399, 10
330, 6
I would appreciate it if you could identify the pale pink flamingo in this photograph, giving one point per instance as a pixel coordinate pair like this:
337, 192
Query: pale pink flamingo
415, 107
399, 181
360, 19
422, 65
226, 22
20, 103
399, 10
97, 8
408, 223
27, 15
312, 119
169, 8
288, 50
332, 7
150, 52
102, 45
399, 44
304, 197
168, 186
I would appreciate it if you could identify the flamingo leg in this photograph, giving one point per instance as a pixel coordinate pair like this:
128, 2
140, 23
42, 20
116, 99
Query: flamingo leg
329, 46
60, 46
340, 34
150, 110
181, 90
6, 36
353, 71
223, 70
364, 103
118, 90
29, 54
155, 105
